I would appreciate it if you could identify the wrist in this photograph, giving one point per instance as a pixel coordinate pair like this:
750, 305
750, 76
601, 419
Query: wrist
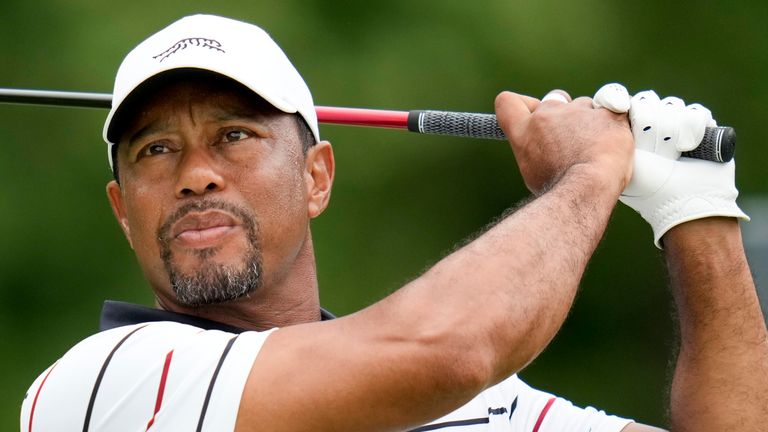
598, 180
684, 190
712, 233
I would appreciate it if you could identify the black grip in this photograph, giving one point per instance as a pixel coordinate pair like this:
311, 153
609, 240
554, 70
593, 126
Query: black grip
718, 144
473, 125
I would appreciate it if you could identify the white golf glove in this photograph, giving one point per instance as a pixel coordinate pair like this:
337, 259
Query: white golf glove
666, 189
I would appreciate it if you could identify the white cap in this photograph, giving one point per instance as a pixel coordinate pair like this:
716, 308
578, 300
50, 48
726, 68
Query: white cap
238, 50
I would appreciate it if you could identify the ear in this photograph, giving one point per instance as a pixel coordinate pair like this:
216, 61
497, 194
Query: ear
115, 195
319, 165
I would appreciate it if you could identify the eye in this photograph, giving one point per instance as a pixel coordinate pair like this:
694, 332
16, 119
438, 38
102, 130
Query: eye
235, 135
155, 148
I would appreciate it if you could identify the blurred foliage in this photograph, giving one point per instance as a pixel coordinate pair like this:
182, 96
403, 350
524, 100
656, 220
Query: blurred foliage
401, 201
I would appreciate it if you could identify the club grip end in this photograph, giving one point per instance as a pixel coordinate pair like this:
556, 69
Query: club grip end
718, 145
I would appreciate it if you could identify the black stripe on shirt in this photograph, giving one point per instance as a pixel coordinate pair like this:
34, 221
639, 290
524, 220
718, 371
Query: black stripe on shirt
467, 422
100, 377
213, 381
512, 408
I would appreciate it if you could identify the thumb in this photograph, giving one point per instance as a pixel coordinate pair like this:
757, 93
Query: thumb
512, 109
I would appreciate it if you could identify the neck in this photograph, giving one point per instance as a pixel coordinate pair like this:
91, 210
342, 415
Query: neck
286, 299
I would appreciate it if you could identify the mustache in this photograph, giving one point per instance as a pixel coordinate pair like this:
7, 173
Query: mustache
211, 283
247, 218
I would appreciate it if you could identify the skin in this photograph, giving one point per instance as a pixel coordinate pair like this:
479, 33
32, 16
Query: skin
422, 351
262, 169
721, 378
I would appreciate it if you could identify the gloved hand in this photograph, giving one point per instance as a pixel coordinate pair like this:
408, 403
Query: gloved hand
667, 189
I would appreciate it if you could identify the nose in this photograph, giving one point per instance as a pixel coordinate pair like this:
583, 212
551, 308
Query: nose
198, 174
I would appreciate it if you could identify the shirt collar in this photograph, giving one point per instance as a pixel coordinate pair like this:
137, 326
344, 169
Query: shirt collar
117, 314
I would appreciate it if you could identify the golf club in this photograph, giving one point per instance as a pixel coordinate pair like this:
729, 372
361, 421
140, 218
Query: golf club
718, 144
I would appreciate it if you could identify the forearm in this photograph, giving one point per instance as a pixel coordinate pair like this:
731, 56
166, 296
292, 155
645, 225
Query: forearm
721, 378
508, 292
477, 316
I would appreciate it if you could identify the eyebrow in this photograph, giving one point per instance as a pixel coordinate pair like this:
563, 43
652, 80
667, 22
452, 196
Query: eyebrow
219, 115
154, 127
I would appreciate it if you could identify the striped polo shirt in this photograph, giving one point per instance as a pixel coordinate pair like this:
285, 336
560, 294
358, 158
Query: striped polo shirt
161, 371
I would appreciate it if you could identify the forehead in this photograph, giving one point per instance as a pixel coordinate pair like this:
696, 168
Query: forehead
166, 96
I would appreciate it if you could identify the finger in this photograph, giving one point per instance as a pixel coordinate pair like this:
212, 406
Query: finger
643, 104
512, 109
643, 114
693, 121
613, 97
557, 95
671, 132
531, 102
649, 96
672, 102
583, 101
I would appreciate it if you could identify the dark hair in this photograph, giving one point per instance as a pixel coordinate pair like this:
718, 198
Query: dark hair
306, 137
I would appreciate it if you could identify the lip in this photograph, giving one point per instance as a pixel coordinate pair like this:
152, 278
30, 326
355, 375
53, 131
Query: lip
203, 229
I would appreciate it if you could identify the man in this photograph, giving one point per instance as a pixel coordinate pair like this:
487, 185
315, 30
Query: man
219, 169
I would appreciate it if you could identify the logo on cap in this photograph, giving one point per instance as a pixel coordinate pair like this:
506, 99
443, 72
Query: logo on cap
189, 42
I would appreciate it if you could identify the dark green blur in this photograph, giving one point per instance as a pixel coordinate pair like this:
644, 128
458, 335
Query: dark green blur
401, 201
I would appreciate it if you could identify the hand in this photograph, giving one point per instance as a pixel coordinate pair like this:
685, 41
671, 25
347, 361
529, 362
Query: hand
666, 189
551, 136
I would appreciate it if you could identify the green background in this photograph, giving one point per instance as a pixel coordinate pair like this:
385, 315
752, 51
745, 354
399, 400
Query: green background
401, 201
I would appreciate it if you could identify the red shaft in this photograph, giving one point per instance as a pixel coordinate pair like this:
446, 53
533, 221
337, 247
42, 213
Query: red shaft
362, 117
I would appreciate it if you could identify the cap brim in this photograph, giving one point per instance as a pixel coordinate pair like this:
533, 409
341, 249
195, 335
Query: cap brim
119, 116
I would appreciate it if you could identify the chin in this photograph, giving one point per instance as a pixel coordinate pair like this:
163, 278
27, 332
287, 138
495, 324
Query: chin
215, 280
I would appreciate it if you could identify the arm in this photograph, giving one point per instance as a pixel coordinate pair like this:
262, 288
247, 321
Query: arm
721, 378
477, 316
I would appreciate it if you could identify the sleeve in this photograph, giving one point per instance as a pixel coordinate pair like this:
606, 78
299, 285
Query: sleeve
538, 411
153, 377
30, 400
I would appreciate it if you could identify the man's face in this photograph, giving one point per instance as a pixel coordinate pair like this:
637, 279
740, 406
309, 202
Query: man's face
215, 194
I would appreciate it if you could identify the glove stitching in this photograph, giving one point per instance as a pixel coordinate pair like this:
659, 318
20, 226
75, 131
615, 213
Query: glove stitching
670, 209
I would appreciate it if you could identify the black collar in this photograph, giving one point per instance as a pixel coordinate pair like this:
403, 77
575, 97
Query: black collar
117, 314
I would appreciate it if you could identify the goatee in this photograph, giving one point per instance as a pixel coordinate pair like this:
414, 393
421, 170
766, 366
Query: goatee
213, 283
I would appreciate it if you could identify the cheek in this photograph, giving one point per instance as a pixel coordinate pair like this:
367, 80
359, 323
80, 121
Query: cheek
278, 196
274, 184
280, 205
143, 211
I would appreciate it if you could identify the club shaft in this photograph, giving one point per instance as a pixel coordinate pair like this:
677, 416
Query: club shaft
57, 98
331, 115
362, 117
718, 144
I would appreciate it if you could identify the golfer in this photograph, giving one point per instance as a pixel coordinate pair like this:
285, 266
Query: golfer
220, 168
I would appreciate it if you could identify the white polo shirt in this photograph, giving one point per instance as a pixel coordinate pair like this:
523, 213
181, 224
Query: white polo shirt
173, 376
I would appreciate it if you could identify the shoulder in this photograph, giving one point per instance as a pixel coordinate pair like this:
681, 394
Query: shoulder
123, 376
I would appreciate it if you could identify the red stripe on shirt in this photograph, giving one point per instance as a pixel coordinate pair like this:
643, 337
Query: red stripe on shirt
543, 414
37, 394
161, 388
